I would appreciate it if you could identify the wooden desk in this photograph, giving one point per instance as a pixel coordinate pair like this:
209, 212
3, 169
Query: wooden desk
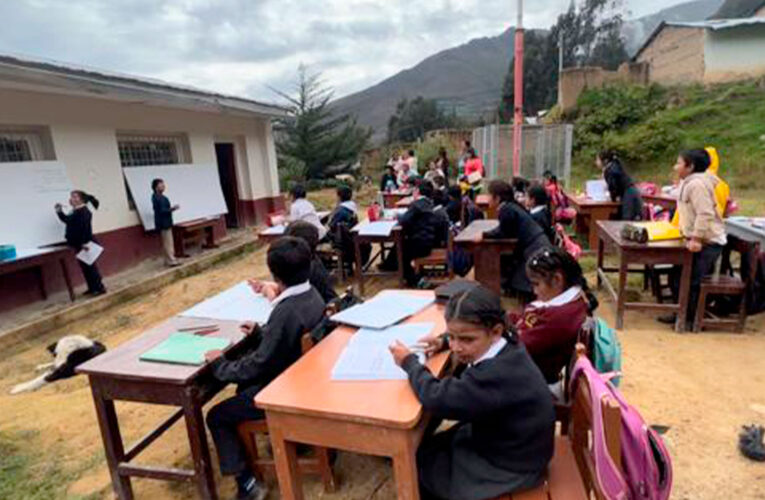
629, 252
395, 237
384, 418
37, 259
663, 200
391, 198
747, 228
486, 253
191, 230
588, 213
118, 375
482, 201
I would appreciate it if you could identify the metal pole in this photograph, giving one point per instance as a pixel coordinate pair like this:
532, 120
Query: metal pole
518, 121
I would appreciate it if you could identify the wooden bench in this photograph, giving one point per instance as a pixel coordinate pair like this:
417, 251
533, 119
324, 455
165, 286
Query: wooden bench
192, 232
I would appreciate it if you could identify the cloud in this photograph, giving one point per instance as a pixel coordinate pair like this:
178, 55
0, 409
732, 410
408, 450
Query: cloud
243, 47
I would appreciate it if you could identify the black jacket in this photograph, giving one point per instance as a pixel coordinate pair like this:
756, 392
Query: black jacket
544, 219
321, 280
342, 215
163, 212
617, 180
422, 226
385, 179
516, 222
277, 346
503, 406
79, 229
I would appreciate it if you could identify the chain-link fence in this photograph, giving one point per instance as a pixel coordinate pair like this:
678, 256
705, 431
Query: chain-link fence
544, 147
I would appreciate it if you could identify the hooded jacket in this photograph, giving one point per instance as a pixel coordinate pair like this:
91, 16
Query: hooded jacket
699, 217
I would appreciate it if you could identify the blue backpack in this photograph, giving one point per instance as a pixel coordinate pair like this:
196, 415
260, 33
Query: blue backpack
606, 350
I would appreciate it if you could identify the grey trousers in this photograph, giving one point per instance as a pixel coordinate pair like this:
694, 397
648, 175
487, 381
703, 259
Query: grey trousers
167, 245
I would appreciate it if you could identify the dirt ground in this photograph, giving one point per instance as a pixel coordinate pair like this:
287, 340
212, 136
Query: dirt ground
703, 386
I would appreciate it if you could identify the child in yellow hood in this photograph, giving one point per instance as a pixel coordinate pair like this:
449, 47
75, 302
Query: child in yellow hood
722, 189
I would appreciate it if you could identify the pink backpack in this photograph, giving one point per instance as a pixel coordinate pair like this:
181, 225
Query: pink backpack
645, 460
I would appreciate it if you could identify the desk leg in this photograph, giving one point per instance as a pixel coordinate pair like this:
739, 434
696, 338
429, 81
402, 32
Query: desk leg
684, 292
210, 238
41, 282
285, 458
359, 267
593, 233
200, 451
488, 267
405, 469
113, 446
620, 299
67, 279
399, 242
601, 258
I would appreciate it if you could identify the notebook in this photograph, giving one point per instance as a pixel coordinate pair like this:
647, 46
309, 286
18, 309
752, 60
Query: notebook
184, 349
238, 303
383, 311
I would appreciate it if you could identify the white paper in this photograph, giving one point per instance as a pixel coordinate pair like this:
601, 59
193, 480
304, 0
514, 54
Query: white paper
367, 357
238, 303
274, 231
377, 228
597, 190
384, 310
90, 255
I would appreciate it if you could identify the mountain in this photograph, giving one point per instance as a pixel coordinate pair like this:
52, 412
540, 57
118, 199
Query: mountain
468, 78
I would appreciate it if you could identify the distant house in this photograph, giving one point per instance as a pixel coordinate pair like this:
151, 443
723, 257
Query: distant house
728, 46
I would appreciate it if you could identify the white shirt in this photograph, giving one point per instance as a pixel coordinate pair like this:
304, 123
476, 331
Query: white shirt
291, 292
304, 210
491, 351
537, 209
568, 296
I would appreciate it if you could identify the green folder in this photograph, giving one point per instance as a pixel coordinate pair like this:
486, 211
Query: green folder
184, 349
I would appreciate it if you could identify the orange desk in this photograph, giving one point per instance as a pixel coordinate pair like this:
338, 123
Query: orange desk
384, 418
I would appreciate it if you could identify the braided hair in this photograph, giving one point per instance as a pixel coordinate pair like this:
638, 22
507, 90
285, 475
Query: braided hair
549, 261
479, 306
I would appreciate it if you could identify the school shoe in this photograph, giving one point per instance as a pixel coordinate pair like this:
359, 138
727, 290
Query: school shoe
254, 491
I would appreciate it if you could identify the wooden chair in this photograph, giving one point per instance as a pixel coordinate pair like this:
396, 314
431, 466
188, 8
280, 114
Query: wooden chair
437, 266
320, 463
729, 285
585, 339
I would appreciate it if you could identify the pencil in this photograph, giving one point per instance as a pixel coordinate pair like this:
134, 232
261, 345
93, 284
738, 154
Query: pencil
194, 328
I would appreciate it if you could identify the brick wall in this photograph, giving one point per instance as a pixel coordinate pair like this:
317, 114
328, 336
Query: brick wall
675, 56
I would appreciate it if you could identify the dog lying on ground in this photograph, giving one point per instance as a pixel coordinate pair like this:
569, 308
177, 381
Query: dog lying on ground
68, 353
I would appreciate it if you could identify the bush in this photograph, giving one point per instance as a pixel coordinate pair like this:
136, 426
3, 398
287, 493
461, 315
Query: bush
291, 171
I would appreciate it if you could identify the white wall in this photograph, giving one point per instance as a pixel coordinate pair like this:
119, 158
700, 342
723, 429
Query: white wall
84, 133
735, 53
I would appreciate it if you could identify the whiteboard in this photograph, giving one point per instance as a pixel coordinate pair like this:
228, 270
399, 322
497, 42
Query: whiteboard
196, 188
28, 192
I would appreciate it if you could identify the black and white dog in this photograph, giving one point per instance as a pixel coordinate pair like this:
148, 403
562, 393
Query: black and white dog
68, 353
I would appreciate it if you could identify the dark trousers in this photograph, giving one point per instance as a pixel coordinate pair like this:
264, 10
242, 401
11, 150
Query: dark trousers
411, 249
92, 276
223, 420
703, 265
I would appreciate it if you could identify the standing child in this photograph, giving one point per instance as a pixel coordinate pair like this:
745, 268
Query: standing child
389, 182
538, 204
503, 438
549, 326
297, 308
304, 210
79, 234
163, 220
620, 186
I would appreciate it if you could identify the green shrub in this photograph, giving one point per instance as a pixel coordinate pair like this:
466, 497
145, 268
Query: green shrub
291, 171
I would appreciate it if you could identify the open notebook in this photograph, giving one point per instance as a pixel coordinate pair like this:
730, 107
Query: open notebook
184, 349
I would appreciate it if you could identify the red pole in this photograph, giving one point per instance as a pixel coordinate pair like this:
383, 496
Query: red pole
518, 105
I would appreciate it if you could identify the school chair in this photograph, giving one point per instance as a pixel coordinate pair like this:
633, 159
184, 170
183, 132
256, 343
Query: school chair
728, 285
437, 266
585, 339
320, 463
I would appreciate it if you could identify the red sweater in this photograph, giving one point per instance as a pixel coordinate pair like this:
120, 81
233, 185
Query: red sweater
550, 333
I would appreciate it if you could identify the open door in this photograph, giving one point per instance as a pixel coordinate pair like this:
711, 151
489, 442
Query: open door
224, 153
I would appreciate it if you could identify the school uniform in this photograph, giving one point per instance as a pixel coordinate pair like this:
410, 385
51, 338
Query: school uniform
503, 439
388, 180
296, 310
541, 214
302, 209
163, 222
549, 330
78, 233
343, 219
622, 189
423, 229
321, 280
516, 223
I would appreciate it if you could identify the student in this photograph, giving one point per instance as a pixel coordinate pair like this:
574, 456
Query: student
620, 186
700, 223
404, 175
520, 186
549, 326
320, 279
459, 205
538, 205
503, 438
410, 159
303, 209
433, 172
515, 223
342, 220
442, 163
297, 309
473, 164
163, 220
388, 182
464, 157
79, 233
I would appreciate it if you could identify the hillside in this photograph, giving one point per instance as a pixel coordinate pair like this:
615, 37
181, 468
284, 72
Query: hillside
468, 78
650, 126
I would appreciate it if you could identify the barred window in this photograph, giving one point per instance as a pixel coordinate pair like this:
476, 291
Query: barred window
24, 145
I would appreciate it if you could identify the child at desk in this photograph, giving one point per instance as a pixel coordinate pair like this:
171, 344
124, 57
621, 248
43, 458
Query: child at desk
319, 277
620, 186
503, 439
538, 204
302, 209
297, 309
549, 326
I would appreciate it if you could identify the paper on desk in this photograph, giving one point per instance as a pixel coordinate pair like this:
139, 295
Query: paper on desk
597, 190
238, 303
378, 228
274, 231
383, 311
90, 255
367, 357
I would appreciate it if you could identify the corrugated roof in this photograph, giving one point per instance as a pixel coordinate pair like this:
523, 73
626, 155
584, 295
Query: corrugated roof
158, 89
709, 24
732, 9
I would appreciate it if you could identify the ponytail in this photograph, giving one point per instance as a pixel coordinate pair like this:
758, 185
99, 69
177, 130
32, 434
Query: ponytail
87, 198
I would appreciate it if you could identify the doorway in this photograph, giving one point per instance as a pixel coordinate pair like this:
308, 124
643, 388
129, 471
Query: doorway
224, 153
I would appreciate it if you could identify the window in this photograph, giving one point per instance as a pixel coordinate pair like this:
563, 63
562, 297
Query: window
143, 150
25, 144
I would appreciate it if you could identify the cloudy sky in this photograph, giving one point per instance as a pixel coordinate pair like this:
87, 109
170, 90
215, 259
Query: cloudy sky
242, 47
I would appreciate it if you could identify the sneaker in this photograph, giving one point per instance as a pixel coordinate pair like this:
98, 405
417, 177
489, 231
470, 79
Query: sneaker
667, 319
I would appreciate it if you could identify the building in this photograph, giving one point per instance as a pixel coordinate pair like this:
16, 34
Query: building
732, 9
99, 123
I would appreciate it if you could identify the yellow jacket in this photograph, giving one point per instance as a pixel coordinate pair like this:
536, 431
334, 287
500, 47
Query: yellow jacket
722, 189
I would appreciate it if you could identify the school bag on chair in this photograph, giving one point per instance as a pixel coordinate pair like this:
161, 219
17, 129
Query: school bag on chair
646, 464
607, 351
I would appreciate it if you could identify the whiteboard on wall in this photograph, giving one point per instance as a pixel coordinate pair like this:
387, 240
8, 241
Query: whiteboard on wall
28, 192
196, 188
